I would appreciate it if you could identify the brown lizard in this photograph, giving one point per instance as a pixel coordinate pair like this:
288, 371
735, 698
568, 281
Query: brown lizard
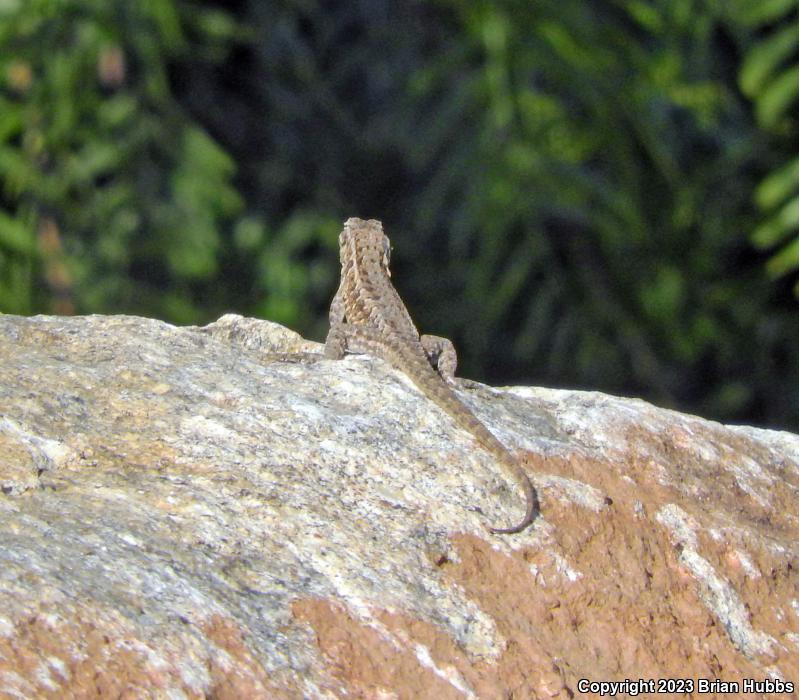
368, 316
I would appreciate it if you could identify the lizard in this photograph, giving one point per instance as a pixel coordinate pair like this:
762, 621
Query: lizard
368, 316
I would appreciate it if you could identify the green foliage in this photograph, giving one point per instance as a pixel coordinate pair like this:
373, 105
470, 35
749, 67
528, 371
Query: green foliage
285, 280
770, 77
568, 185
95, 149
600, 219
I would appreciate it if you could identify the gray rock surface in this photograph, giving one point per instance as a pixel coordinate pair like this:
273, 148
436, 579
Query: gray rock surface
186, 512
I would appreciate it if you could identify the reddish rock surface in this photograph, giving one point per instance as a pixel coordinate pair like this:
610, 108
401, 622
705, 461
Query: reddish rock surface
184, 514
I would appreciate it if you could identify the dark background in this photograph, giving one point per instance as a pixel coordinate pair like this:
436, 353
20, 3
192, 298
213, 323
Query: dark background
597, 195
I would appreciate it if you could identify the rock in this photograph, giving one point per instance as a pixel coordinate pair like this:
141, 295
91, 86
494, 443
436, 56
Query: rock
187, 513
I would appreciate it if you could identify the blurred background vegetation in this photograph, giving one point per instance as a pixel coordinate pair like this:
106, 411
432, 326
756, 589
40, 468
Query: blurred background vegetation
584, 194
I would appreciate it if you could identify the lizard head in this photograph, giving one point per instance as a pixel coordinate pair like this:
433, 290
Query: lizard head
362, 239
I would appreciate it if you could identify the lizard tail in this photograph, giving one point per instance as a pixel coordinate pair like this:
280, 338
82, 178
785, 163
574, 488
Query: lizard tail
531, 512
467, 420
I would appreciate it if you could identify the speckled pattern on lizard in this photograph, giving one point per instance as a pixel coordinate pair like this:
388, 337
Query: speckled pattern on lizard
368, 316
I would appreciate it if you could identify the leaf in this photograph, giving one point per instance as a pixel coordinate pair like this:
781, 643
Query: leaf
201, 151
94, 159
16, 236
9, 7
16, 173
785, 261
778, 227
10, 119
116, 110
248, 234
777, 186
646, 15
775, 100
764, 58
217, 24
164, 16
754, 13
664, 296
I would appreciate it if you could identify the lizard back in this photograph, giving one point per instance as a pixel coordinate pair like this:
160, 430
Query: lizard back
368, 315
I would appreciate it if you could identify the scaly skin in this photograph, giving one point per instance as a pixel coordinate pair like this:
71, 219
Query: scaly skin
368, 316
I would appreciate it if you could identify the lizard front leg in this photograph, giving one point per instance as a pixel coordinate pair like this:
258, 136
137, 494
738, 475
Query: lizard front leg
336, 341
